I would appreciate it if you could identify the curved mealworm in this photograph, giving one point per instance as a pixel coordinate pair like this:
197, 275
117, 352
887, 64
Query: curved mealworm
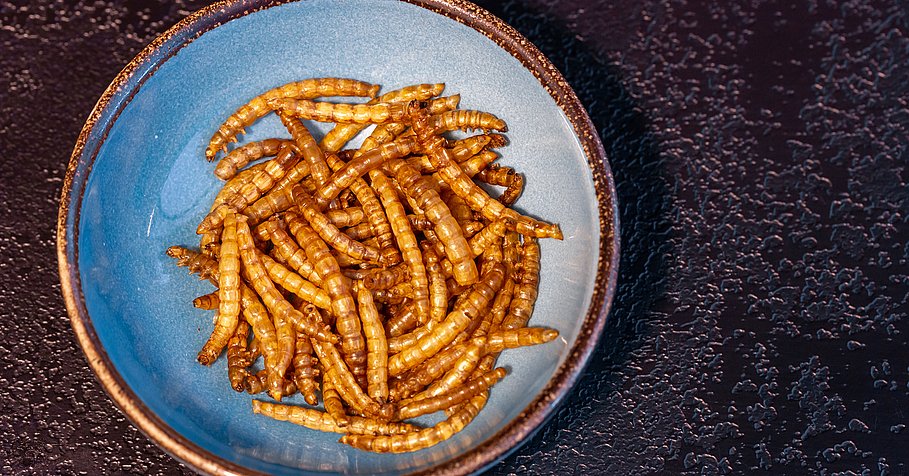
322, 421
407, 243
228, 294
377, 347
237, 357
258, 106
446, 227
475, 196
417, 440
347, 322
386, 277
375, 215
308, 148
474, 387
456, 321
341, 112
305, 369
335, 139
260, 183
288, 251
207, 302
329, 232
241, 156
505, 177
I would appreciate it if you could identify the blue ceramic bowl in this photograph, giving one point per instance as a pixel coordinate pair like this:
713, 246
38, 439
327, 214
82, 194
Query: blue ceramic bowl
138, 183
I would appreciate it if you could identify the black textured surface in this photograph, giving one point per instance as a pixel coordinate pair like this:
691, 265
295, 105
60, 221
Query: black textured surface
760, 153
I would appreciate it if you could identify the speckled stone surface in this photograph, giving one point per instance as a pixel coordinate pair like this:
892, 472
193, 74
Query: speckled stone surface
761, 157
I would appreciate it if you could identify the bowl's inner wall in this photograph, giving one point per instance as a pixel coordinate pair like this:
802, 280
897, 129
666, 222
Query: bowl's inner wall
150, 186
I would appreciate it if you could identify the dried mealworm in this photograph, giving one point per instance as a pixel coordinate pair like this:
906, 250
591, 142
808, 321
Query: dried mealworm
505, 177
384, 133
461, 150
335, 139
346, 217
458, 374
258, 383
241, 156
465, 119
401, 322
438, 291
332, 400
305, 371
341, 112
294, 283
474, 387
347, 322
456, 321
360, 232
322, 421
290, 252
344, 382
407, 242
485, 237
237, 357
228, 294
375, 215
475, 196
500, 340
308, 147
258, 106
360, 165
417, 440
377, 355
207, 302
285, 315
525, 291
271, 203
260, 183
329, 232
386, 278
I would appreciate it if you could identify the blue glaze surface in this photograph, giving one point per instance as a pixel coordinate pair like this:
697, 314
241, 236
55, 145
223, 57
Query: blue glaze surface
150, 186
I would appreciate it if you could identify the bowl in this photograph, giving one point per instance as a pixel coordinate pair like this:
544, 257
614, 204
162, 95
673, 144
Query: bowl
138, 182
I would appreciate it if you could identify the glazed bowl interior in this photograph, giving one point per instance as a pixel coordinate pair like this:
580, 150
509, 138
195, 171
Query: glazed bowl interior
145, 186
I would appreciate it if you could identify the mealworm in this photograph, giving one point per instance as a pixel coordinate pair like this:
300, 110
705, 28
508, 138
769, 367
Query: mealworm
335, 139
340, 112
288, 251
417, 440
285, 314
305, 372
485, 237
258, 383
384, 133
344, 382
458, 374
332, 400
270, 204
258, 106
346, 217
500, 340
461, 150
446, 227
228, 294
294, 283
207, 302
407, 243
347, 322
475, 196
322, 421
377, 347
241, 156
505, 177
360, 165
456, 321
334, 237
427, 372
375, 215
525, 291
438, 291
401, 322
472, 166
250, 192
474, 387
308, 148
237, 358
386, 277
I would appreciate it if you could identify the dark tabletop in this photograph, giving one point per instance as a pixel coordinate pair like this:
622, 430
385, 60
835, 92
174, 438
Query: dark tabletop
761, 155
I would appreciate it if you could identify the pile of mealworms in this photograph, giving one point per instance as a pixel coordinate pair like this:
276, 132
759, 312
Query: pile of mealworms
382, 280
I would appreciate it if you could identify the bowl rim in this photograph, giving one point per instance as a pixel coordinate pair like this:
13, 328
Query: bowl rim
143, 66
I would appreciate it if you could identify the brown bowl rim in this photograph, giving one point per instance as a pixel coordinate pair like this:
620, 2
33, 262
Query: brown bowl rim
481, 457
